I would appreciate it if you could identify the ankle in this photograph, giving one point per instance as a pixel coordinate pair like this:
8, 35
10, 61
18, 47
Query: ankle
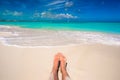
55, 71
64, 73
63, 70
65, 77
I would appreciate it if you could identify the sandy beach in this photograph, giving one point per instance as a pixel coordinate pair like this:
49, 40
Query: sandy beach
85, 62
39, 36
27, 54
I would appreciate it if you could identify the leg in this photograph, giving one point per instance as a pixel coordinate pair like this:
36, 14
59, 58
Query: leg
63, 65
56, 64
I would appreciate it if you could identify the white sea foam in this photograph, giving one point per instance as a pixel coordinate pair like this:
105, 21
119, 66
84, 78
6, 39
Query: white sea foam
21, 37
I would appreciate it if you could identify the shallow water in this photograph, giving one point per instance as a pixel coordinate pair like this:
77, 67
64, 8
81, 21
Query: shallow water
108, 27
16, 36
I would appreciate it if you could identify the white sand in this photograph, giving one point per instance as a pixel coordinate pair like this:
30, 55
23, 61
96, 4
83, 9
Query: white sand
85, 62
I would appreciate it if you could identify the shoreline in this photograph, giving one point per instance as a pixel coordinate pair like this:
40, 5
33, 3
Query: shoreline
16, 36
69, 45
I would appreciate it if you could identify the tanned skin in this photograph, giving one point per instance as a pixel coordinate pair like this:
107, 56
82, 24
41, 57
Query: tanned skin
59, 63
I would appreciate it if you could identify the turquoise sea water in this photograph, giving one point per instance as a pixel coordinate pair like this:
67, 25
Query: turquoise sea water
110, 27
54, 34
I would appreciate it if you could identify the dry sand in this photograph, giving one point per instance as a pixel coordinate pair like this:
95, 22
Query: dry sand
85, 62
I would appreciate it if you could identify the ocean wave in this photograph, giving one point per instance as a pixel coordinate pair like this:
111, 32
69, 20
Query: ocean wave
24, 37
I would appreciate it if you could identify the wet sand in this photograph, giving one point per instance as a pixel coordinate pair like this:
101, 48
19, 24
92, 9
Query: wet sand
85, 62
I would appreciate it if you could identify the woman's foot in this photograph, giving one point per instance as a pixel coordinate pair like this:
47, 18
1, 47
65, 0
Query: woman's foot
63, 65
59, 61
56, 65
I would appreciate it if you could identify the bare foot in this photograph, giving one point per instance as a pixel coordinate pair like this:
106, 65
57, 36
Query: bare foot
63, 65
59, 61
56, 63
